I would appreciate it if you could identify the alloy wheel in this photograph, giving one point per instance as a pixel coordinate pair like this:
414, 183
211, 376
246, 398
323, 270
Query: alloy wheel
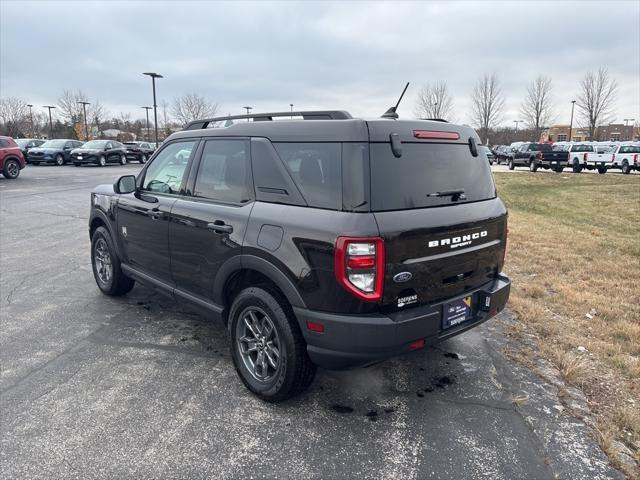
102, 260
258, 344
13, 169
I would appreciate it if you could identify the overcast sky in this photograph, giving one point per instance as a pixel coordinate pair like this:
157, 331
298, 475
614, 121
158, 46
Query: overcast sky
354, 56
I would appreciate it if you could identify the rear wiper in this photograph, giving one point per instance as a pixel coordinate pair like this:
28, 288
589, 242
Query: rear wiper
454, 194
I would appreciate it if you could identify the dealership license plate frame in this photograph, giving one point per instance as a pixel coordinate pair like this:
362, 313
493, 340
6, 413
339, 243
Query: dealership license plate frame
457, 312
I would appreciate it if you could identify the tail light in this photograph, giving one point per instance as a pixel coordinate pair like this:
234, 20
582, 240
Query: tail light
539, 156
584, 157
613, 157
635, 159
506, 235
359, 266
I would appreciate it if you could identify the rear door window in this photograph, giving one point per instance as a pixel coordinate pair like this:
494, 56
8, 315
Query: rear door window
224, 171
424, 174
316, 170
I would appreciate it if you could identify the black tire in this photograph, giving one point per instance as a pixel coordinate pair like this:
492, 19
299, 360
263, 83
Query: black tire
143, 159
625, 168
123, 160
533, 166
11, 169
295, 371
602, 170
558, 169
35, 163
59, 161
102, 161
115, 283
76, 164
511, 165
576, 167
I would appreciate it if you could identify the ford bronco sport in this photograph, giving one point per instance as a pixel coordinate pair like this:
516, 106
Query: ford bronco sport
327, 241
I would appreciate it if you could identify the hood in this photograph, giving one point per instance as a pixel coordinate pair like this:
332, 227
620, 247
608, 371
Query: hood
86, 150
104, 189
44, 150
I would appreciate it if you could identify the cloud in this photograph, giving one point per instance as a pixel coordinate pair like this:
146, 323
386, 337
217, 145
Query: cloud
354, 56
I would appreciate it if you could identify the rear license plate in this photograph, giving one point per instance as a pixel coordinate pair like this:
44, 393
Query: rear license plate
457, 312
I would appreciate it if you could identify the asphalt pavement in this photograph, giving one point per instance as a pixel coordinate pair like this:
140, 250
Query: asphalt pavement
136, 387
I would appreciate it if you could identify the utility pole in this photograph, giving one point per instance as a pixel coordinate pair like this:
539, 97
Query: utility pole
146, 109
248, 109
573, 104
291, 105
50, 107
33, 134
153, 76
515, 133
86, 126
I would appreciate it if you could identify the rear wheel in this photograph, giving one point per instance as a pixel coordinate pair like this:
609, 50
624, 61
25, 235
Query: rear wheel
35, 163
77, 164
106, 265
558, 169
576, 167
511, 165
11, 169
267, 347
123, 160
143, 158
533, 166
602, 170
102, 161
625, 168
59, 160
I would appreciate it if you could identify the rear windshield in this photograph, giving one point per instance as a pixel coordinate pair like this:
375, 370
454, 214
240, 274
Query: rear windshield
630, 149
542, 147
424, 173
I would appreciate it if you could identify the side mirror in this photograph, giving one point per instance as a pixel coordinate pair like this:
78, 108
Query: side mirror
125, 184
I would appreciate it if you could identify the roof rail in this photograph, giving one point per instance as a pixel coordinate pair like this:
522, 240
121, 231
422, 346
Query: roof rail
259, 117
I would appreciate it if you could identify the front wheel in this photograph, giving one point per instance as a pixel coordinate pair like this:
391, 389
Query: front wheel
106, 265
143, 158
511, 165
102, 161
59, 160
11, 169
123, 160
267, 347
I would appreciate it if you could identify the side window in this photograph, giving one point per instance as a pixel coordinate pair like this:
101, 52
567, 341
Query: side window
3, 143
167, 170
224, 171
270, 177
316, 169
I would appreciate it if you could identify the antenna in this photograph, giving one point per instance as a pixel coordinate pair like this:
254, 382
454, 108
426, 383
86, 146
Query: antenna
391, 113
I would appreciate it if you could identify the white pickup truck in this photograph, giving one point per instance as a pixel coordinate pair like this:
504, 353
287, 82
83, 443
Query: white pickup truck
626, 156
577, 154
601, 158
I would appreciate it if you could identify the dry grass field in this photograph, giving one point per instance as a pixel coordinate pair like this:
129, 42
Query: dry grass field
574, 258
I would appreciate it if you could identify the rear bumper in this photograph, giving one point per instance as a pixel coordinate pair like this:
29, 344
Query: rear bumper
358, 340
92, 159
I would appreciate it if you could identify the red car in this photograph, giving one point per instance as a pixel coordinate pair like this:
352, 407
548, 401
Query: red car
11, 158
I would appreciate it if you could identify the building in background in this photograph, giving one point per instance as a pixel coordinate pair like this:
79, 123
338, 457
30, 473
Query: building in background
614, 132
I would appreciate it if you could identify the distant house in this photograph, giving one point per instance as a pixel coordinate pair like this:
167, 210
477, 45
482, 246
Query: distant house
110, 133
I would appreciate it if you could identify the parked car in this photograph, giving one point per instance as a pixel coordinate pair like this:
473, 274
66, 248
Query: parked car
100, 152
52, 151
27, 144
338, 242
11, 158
139, 151
538, 155
577, 154
601, 159
489, 153
503, 153
626, 156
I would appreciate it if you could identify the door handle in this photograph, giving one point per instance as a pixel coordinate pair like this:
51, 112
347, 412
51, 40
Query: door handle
219, 227
154, 213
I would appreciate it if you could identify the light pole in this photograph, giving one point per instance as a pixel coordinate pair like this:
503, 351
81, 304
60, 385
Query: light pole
517, 122
50, 107
153, 76
573, 104
86, 126
291, 105
146, 109
248, 109
31, 116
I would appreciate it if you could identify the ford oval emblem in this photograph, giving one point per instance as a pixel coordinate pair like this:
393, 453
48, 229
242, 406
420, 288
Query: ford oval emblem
402, 277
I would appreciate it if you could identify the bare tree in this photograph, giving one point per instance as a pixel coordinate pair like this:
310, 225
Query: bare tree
537, 107
72, 112
487, 104
596, 98
14, 115
191, 107
434, 101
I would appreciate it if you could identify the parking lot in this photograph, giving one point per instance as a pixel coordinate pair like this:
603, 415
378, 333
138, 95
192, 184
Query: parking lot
101, 387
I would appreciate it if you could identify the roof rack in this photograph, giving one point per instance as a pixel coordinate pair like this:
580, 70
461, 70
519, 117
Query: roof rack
260, 117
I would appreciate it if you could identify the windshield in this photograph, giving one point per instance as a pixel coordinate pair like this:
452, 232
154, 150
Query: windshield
427, 175
561, 148
21, 142
95, 144
54, 144
543, 147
